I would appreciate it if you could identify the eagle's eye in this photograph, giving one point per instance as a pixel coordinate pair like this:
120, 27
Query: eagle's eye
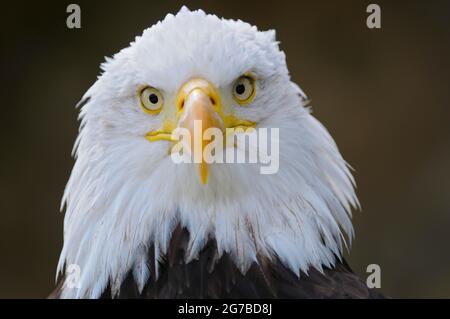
151, 100
244, 89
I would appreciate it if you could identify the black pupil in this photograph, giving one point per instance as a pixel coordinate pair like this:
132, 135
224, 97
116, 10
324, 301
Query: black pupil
240, 88
153, 98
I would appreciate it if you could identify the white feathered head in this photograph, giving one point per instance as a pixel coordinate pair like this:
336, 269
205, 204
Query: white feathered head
126, 193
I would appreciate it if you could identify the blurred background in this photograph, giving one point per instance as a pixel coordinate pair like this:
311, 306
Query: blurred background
382, 93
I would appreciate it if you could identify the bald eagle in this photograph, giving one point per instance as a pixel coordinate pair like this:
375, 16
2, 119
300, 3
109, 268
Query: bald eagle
139, 225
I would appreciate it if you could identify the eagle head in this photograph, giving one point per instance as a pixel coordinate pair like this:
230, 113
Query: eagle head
126, 193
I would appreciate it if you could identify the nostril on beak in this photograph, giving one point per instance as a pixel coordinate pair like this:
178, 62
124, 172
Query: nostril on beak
181, 105
213, 101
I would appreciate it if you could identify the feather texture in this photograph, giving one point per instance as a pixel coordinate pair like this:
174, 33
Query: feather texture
211, 276
125, 196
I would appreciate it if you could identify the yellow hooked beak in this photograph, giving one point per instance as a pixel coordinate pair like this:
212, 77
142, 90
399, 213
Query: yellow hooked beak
198, 100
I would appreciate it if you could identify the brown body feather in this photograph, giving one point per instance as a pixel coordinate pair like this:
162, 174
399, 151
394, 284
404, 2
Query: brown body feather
213, 277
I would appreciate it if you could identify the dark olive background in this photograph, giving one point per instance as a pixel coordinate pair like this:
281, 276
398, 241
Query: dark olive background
383, 95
